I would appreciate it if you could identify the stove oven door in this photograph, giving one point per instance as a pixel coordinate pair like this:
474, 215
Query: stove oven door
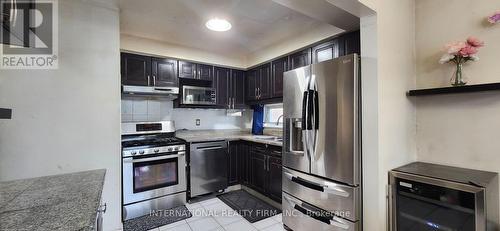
151, 177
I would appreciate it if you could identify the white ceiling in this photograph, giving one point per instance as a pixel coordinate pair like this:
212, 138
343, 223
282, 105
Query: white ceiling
256, 23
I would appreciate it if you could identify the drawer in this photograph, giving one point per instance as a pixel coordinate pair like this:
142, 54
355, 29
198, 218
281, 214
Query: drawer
330, 196
298, 215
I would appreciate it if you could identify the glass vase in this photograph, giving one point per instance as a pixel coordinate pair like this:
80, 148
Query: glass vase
458, 79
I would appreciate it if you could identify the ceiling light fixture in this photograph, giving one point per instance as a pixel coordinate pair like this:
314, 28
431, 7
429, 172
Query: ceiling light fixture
216, 24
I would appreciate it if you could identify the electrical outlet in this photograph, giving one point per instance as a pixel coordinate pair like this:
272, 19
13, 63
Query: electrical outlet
198, 122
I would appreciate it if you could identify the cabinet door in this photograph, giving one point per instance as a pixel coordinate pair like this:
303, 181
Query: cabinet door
251, 92
164, 72
278, 67
233, 165
258, 171
187, 70
352, 43
238, 88
205, 72
264, 82
274, 186
300, 59
325, 51
135, 70
222, 76
244, 163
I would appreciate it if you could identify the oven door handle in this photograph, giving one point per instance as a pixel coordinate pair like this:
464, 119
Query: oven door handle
132, 160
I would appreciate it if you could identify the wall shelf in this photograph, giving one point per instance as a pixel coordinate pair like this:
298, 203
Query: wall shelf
454, 90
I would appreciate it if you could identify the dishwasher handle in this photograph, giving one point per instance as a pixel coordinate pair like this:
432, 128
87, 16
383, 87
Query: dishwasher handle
210, 147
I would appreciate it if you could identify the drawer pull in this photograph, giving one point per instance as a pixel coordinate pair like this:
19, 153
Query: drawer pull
317, 187
331, 220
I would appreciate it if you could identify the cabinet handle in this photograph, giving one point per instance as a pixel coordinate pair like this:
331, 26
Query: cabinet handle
255, 92
154, 80
265, 167
149, 80
234, 99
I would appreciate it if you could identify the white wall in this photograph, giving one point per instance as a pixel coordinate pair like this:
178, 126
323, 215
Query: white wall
460, 129
153, 47
437, 24
388, 115
137, 109
68, 120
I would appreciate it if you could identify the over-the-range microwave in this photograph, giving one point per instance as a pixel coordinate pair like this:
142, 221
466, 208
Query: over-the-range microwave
195, 95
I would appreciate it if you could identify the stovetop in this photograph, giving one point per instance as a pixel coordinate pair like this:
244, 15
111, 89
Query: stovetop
150, 141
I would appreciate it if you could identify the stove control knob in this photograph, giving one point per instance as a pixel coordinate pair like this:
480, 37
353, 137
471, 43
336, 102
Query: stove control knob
169, 149
156, 150
133, 153
176, 148
141, 152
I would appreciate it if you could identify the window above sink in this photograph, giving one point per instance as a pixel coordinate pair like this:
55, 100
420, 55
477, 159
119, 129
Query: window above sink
273, 113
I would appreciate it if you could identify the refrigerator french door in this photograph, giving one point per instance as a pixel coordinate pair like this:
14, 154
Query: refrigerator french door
321, 111
321, 147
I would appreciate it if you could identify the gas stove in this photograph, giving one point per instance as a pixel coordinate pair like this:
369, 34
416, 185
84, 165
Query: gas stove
153, 168
149, 138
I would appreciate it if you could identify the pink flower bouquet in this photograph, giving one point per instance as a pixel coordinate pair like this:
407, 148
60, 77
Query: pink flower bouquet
460, 53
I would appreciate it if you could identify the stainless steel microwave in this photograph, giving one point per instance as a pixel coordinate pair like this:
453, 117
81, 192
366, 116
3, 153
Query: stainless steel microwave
195, 95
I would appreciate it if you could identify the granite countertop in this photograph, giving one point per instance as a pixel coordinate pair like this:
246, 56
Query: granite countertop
59, 202
229, 135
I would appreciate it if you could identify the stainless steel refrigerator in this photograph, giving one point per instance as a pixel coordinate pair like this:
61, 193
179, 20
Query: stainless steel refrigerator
322, 146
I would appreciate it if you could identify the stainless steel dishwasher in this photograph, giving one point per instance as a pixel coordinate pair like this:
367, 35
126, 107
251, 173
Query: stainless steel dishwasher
208, 167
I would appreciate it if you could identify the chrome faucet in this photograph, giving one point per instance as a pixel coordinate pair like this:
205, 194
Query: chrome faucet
278, 121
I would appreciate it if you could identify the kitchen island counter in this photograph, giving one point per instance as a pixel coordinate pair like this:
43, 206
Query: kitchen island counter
58, 202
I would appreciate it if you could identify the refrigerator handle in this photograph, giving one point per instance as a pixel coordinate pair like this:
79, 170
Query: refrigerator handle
310, 109
304, 110
316, 110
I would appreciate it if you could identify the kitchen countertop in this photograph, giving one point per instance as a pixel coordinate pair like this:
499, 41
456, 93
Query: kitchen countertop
59, 202
229, 135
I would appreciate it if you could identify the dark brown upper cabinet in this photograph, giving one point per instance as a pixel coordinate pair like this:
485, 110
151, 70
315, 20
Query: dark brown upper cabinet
251, 84
237, 90
259, 83
222, 81
325, 51
205, 72
187, 70
265, 81
278, 68
135, 70
164, 72
230, 85
300, 59
192, 70
351, 43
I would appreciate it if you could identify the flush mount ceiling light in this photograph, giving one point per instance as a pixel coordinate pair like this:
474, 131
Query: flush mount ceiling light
216, 24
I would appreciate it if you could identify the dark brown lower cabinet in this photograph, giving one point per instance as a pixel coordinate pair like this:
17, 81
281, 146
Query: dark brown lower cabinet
244, 162
258, 163
257, 166
274, 172
233, 168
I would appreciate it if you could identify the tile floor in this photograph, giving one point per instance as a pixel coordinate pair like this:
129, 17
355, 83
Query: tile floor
215, 215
